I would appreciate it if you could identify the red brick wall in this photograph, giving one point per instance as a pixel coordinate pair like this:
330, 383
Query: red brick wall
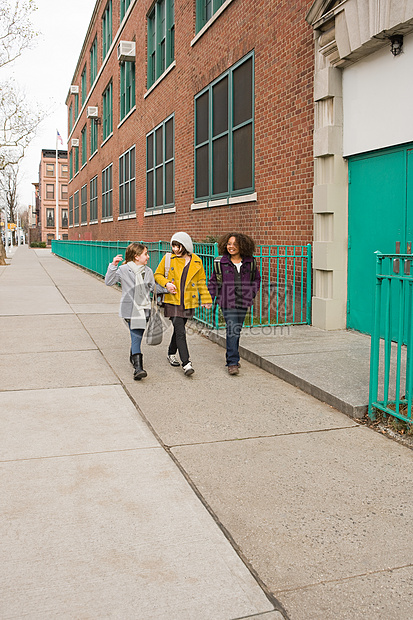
284, 65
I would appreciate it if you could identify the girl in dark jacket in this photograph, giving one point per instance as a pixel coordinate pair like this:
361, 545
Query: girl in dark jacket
240, 284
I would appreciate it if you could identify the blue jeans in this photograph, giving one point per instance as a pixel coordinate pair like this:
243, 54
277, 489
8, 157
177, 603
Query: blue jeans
136, 336
234, 318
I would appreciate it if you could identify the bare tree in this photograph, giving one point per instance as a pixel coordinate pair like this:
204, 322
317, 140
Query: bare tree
18, 120
16, 31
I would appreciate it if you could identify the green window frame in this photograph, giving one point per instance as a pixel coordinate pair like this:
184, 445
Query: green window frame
127, 202
93, 200
71, 164
127, 88
83, 204
160, 165
205, 9
93, 61
83, 85
76, 106
107, 116
106, 29
76, 159
224, 134
71, 211
76, 208
70, 117
107, 190
161, 39
124, 5
93, 136
84, 145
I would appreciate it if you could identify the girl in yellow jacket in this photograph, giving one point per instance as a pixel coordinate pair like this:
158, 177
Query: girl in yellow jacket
186, 286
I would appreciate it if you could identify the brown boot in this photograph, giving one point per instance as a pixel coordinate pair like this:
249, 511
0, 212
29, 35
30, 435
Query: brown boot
233, 370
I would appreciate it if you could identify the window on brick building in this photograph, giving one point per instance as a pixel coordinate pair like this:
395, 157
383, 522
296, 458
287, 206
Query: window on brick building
124, 4
107, 117
107, 189
83, 204
71, 164
49, 191
161, 38
224, 134
127, 88
127, 182
205, 10
106, 29
76, 106
76, 159
70, 117
49, 170
71, 211
64, 171
64, 218
160, 165
93, 200
63, 192
93, 136
50, 218
93, 61
84, 85
84, 145
76, 208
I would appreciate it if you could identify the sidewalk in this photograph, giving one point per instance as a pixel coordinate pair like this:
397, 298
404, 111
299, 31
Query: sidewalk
211, 497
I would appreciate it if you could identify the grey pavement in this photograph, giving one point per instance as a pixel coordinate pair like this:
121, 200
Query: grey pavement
210, 497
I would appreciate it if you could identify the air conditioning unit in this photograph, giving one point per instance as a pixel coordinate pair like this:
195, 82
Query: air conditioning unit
126, 51
92, 111
75, 141
74, 89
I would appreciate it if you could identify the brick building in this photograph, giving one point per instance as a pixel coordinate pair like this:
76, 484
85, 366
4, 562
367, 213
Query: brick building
46, 191
193, 115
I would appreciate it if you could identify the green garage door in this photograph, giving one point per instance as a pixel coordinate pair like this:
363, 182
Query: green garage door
380, 206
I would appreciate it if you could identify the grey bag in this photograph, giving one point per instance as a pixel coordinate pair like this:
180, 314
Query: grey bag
154, 327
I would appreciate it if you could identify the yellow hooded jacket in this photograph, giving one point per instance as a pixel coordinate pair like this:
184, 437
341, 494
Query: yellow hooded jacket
195, 285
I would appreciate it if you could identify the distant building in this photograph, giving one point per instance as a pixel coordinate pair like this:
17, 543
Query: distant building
193, 116
46, 192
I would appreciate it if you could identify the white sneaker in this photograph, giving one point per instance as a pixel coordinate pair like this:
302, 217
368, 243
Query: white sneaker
188, 370
173, 360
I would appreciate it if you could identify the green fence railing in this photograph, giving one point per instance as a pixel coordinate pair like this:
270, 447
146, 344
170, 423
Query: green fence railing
391, 361
284, 297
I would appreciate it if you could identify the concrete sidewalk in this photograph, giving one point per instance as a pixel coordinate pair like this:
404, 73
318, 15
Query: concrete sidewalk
181, 498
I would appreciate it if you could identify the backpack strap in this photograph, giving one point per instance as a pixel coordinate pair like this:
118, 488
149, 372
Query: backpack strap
253, 269
167, 263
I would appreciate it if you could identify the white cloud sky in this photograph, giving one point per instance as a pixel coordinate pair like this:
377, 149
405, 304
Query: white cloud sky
45, 73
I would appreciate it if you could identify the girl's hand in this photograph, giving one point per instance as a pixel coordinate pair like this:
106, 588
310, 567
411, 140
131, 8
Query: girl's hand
171, 288
208, 306
117, 260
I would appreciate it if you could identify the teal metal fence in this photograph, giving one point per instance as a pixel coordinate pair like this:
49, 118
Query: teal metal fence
391, 363
284, 297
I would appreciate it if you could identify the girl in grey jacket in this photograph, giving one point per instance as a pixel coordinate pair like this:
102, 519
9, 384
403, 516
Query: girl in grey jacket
137, 281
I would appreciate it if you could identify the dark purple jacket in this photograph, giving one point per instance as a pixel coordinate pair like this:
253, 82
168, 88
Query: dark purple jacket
226, 298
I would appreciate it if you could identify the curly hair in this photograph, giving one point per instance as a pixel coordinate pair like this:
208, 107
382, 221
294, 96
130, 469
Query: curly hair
133, 249
245, 243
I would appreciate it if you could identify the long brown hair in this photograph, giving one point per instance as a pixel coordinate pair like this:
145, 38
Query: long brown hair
133, 249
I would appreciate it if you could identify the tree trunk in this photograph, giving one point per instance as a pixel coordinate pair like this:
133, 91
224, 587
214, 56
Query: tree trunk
2, 253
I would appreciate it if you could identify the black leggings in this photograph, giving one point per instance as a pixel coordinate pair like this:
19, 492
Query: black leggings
178, 340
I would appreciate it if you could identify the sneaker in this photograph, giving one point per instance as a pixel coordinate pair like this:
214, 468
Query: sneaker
173, 360
188, 370
233, 370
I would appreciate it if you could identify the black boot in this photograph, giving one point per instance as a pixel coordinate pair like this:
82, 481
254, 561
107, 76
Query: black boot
139, 372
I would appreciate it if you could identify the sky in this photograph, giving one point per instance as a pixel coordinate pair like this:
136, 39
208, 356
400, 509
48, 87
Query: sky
45, 73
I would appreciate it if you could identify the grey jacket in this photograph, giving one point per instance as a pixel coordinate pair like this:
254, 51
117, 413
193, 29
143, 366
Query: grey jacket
126, 277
